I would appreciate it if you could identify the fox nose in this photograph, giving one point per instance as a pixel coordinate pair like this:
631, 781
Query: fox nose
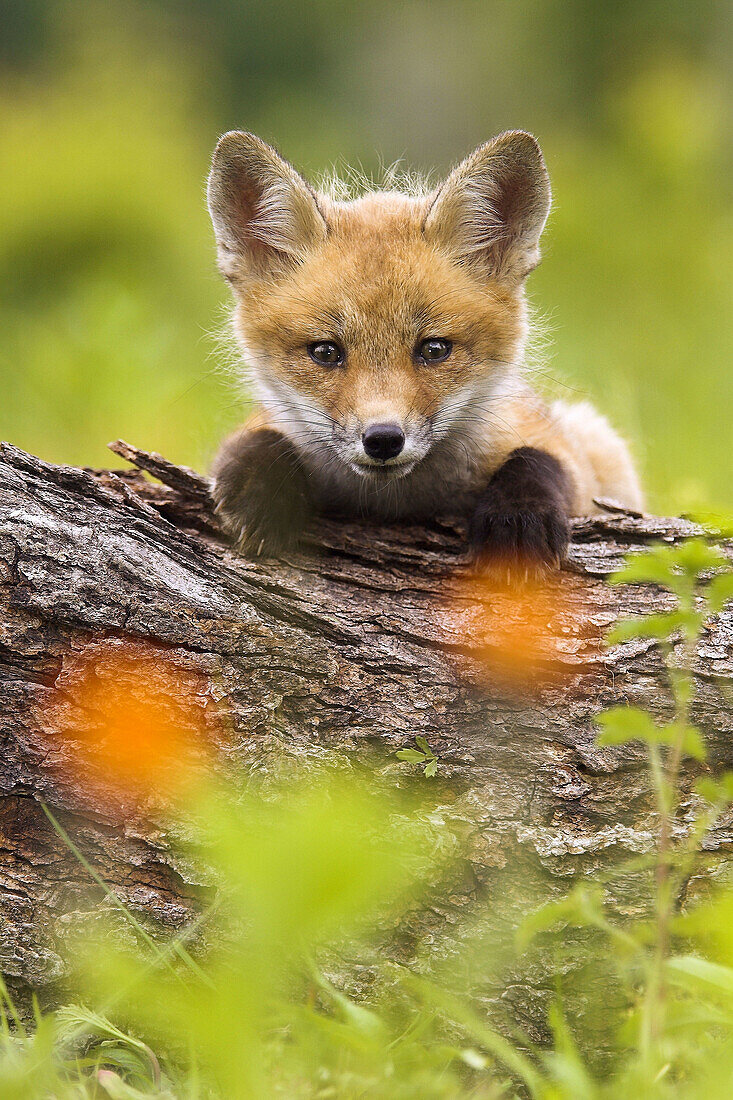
383, 441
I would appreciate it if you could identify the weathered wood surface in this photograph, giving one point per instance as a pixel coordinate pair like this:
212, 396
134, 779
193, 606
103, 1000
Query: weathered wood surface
344, 652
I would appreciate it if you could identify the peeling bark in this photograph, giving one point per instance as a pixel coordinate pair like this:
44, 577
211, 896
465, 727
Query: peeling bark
347, 650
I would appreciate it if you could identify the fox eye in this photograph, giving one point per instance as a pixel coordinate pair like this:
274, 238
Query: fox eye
434, 350
327, 353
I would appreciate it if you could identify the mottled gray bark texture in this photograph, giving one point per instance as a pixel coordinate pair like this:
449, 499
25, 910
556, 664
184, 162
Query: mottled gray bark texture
370, 636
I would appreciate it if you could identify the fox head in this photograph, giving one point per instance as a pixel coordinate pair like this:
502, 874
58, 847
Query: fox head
375, 328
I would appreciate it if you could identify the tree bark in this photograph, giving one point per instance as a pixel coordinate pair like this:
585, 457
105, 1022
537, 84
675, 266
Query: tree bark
346, 651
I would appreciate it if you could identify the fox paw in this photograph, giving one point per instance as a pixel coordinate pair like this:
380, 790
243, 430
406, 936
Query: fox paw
519, 543
260, 494
258, 531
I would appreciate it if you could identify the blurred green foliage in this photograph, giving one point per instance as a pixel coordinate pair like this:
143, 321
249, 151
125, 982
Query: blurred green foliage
108, 114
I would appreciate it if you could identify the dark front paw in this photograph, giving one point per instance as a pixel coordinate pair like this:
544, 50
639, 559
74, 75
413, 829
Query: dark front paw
260, 527
520, 525
261, 494
519, 541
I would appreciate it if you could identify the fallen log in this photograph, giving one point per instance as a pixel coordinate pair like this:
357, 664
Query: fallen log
344, 652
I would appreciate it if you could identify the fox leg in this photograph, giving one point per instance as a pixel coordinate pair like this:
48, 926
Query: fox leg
521, 520
260, 491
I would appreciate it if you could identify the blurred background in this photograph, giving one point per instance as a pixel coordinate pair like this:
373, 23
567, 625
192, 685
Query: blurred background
108, 114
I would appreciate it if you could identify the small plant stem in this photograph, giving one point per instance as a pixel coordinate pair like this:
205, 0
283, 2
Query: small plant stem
652, 1006
665, 778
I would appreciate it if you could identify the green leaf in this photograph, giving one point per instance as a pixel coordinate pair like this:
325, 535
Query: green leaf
623, 724
690, 739
678, 568
624, 630
117, 1089
581, 907
700, 975
542, 920
566, 1062
695, 556
717, 524
431, 768
413, 756
708, 789
719, 591
716, 791
652, 566
357, 1016
422, 744
360, 1018
660, 626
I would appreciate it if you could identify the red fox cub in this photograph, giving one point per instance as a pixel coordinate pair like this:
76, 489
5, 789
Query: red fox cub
383, 338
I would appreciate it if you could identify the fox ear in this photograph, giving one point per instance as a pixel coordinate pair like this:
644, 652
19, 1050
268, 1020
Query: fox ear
263, 212
492, 208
